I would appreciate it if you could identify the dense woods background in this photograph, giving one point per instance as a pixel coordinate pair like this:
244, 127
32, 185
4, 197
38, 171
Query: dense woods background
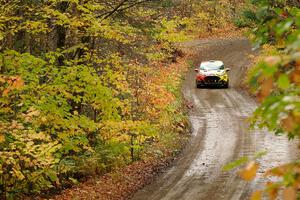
85, 86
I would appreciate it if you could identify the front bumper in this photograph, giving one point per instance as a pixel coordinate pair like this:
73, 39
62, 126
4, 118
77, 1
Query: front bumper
213, 80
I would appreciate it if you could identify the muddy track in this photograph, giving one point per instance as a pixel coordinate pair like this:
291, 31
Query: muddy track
220, 135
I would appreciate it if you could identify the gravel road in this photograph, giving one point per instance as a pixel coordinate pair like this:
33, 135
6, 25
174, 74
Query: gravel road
220, 135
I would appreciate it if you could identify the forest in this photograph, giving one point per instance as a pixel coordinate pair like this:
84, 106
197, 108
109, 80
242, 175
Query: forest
86, 87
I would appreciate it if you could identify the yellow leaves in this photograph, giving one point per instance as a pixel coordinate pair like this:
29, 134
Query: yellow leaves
59, 17
2, 79
2, 138
1, 36
35, 27
31, 114
18, 174
121, 130
249, 172
256, 195
170, 32
26, 161
44, 119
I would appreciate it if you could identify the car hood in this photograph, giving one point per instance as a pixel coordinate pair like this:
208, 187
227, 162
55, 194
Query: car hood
212, 72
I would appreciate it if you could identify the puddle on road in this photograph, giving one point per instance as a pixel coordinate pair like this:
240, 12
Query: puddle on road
219, 142
197, 123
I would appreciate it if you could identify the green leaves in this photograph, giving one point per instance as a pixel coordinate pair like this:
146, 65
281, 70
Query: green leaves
284, 26
283, 81
276, 79
236, 163
281, 30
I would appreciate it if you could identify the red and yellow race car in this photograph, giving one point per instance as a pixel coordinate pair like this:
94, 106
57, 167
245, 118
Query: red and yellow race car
212, 73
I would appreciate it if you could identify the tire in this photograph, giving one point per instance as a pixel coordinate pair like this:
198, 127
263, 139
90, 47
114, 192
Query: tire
199, 85
226, 85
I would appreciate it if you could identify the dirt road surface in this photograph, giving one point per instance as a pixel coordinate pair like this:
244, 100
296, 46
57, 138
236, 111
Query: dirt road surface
220, 135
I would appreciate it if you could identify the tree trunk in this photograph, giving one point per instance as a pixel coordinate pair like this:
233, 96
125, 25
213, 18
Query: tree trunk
61, 31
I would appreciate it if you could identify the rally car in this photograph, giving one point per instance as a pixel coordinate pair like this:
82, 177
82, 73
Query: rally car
212, 73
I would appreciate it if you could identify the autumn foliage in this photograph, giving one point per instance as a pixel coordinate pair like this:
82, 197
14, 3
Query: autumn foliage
83, 89
87, 87
275, 26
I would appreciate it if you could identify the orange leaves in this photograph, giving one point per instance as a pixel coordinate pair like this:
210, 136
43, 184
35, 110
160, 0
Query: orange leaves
14, 83
278, 171
250, 171
272, 190
286, 189
290, 184
266, 79
289, 194
5, 92
289, 124
161, 88
18, 83
295, 75
275, 73
276, 82
267, 85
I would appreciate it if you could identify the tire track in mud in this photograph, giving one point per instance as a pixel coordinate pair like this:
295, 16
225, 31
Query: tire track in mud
220, 135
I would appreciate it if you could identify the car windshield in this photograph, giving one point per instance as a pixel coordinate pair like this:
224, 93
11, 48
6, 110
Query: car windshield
212, 66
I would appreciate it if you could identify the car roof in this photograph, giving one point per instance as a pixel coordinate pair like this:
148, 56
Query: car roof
212, 63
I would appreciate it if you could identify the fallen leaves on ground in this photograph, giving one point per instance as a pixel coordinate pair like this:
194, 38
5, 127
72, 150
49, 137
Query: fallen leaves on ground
119, 185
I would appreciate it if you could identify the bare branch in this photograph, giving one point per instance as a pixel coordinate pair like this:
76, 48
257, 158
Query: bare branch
120, 8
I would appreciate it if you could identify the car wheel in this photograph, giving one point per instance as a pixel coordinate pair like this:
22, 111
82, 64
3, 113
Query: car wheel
226, 85
198, 85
